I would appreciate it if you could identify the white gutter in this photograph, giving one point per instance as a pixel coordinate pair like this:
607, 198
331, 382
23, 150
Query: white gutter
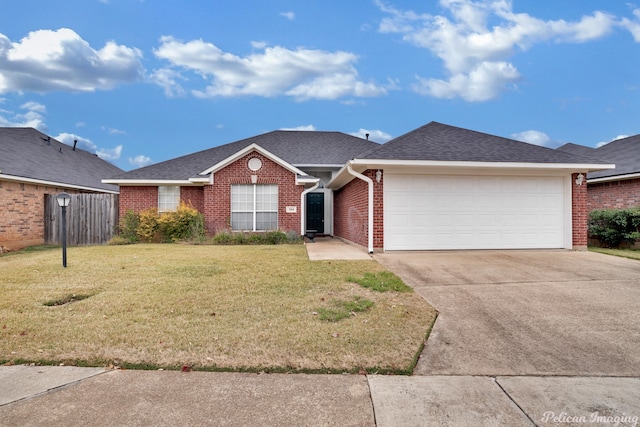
614, 178
303, 206
369, 182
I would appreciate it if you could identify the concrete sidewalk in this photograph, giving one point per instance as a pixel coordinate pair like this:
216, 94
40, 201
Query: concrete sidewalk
57, 396
330, 248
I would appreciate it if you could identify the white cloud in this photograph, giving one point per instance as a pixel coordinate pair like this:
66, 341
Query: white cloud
113, 131
108, 154
374, 135
276, 71
31, 118
50, 60
289, 15
304, 127
535, 137
168, 80
477, 39
140, 161
600, 144
633, 26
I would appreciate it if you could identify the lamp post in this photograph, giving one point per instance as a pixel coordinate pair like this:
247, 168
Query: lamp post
63, 200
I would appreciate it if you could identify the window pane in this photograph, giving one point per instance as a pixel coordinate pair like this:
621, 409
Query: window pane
241, 198
168, 198
266, 221
241, 221
267, 198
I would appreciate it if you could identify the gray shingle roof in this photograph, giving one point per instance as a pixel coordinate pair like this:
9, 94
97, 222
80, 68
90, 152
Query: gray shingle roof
439, 142
295, 147
26, 153
625, 153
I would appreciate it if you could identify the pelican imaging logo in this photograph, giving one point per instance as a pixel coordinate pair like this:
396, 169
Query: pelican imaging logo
592, 418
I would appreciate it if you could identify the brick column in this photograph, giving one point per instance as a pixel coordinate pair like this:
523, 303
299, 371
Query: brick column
580, 212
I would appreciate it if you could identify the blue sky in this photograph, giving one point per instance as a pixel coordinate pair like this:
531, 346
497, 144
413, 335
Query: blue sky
142, 81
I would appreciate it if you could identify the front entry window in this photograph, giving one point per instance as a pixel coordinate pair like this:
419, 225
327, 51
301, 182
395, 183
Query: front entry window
254, 207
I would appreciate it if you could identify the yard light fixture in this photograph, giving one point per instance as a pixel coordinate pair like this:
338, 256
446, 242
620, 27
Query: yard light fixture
63, 200
580, 179
378, 175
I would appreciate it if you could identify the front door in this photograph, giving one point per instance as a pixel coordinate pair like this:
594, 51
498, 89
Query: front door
315, 212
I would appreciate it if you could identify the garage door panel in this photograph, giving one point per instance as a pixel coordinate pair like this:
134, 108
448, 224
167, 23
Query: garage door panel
472, 212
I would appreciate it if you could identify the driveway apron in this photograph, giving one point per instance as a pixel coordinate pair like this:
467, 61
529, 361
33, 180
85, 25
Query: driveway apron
526, 312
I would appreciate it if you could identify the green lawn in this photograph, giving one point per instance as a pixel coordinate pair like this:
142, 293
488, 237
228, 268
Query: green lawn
208, 307
626, 253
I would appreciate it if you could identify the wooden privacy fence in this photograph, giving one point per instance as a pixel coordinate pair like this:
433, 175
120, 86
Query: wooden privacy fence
92, 219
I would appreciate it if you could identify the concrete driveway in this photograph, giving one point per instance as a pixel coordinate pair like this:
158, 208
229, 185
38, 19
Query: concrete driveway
526, 312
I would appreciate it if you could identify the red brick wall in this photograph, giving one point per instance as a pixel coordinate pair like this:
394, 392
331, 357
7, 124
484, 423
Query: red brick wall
137, 199
193, 196
350, 216
580, 212
22, 213
614, 195
217, 197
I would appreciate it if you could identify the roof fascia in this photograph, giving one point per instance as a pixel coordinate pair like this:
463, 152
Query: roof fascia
614, 178
248, 149
139, 182
300, 180
360, 165
55, 184
378, 163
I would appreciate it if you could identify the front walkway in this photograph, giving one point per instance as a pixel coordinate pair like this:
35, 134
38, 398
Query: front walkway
330, 248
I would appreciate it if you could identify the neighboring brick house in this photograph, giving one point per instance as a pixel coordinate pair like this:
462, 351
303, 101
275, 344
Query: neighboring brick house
437, 187
32, 165
617, 188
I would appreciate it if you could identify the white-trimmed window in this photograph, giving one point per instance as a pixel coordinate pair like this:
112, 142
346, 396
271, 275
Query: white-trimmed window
254, 207
168, 198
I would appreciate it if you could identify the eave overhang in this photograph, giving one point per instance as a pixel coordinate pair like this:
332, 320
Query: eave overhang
13, 178
343, 177
614, 178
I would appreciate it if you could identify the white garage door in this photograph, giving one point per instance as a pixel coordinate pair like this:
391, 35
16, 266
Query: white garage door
424, 212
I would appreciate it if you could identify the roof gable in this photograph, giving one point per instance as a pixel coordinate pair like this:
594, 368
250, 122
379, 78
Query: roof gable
439, 142
29, 155
249, 149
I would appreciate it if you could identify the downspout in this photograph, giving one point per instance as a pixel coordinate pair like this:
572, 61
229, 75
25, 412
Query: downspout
369, 181
303, 207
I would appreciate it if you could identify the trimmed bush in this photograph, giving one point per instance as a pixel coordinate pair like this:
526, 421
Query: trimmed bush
129, 226
612, 227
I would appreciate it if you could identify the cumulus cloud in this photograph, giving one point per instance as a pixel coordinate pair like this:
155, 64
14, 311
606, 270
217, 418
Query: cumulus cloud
374, 135
60, 60
140, 161
109, 154
535, 137
476, 40
31, 117
274, 71
633, 26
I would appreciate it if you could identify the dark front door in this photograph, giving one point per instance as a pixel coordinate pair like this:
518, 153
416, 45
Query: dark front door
315, 212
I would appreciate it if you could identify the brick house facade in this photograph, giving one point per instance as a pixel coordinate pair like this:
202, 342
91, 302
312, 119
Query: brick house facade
305, 162
21, 216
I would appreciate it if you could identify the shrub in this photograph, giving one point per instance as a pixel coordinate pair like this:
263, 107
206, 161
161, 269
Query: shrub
242, 238
148, 225
129, 226
185, 223
614, 226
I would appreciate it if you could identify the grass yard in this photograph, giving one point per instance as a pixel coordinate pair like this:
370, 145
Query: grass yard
625, 253
254, 308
